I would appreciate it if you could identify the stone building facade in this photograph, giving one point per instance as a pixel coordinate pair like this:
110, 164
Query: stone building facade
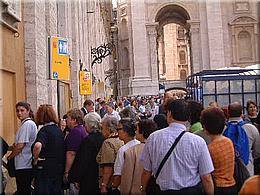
84, 25
24, 71
219, 34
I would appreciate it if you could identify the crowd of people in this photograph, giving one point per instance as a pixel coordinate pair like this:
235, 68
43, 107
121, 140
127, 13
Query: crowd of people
117, 147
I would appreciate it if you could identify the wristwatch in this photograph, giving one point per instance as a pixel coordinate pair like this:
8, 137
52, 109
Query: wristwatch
142, 188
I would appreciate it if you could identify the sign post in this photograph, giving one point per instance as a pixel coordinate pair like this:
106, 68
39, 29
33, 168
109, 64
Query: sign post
59, 59
85, 83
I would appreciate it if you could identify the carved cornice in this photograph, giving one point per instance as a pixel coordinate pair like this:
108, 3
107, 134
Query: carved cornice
151, 28
243, 20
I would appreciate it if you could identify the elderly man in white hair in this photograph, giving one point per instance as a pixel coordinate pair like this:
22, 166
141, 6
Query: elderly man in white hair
84, 172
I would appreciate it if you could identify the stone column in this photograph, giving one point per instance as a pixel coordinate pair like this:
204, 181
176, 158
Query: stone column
152, 35
35, 43
51, 29
257, 41
234, 53
139, 37
141, 83
196, 58
215, 34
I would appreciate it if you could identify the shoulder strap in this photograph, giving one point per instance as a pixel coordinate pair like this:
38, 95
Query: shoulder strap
26, 120
168, 154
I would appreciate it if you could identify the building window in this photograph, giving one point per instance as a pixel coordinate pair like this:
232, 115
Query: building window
183, 74
124, 29
10, 13
182, 57
244, 46
181, 33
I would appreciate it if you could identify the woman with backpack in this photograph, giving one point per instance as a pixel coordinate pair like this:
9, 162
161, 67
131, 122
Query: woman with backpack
21, 149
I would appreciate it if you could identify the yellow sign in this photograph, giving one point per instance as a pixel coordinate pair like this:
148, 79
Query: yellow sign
85, 83
59, 58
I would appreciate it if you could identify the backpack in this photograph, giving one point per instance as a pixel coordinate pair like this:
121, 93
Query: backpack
238, 136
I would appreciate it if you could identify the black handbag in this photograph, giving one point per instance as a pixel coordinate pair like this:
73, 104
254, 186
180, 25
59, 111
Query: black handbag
11, 167
152, 187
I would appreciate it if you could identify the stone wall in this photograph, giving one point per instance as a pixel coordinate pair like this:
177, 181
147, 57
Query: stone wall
82, 24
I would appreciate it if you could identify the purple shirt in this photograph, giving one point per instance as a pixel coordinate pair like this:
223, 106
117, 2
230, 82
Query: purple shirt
75, 137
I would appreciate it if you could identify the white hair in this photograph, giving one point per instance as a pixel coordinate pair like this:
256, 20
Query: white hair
93, 120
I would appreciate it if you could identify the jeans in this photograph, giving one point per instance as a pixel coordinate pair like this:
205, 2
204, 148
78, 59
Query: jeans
47, 184
23, 181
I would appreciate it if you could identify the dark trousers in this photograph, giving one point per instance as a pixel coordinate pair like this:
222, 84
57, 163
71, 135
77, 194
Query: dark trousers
225, 190
257, 166
47, 184
23, 181
185, 191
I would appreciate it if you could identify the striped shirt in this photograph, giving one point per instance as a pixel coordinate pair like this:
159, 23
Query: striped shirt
189, 160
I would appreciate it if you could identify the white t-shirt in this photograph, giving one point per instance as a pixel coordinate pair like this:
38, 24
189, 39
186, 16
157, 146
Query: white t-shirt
26, 134
120, 156
113, 114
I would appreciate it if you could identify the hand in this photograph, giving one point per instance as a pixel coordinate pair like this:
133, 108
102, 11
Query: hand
77, 185
103, 189
65, 178
35, 161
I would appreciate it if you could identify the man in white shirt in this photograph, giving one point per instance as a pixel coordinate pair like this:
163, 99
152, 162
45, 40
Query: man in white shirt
111, 112
235, 113
188, 166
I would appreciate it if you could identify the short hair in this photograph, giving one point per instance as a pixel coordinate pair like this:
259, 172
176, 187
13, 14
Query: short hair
46, 114
146, 127
110, 104
248, 104
127, 112
76, 114
88, 102
195, 109
27, 106
235, 109
179, 109
128, 126
161, 121
213, 120
93, 120
111, 123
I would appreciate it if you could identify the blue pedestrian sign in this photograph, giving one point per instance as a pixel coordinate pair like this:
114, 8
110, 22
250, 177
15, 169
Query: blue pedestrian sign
55, 75
62, 47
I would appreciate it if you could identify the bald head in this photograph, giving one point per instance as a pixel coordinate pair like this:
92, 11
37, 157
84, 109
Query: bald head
235, 109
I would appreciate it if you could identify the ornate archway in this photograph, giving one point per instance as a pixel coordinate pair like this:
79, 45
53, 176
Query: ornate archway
173, 44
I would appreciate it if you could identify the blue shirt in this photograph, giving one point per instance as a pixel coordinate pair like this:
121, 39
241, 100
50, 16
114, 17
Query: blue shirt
189, 160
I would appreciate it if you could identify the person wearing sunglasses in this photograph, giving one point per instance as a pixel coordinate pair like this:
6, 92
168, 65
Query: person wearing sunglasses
126, 132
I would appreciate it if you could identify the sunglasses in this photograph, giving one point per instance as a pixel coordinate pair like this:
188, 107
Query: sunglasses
119, 128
